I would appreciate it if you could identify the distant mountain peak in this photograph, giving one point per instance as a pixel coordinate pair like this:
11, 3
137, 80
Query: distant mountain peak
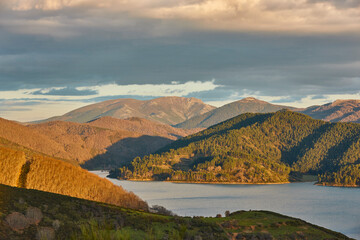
167, 110
341, 110
250, 99
245, 105
344, 101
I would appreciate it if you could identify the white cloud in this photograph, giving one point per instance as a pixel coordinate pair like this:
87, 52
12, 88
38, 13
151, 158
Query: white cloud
173, 89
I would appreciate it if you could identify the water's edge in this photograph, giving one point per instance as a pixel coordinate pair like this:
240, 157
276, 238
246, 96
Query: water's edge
335, 208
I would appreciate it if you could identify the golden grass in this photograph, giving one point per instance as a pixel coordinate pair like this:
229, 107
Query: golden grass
11, 162
52, 175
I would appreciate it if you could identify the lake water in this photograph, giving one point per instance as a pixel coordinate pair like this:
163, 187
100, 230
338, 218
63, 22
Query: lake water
331, 207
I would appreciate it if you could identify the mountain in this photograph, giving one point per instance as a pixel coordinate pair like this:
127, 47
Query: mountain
142, 126
22, 167
104, 142
30, 214
337, 111
167, 110
253, 148
250, 104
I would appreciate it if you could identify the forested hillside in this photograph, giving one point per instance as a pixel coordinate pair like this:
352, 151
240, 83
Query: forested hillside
22, 167
253, 148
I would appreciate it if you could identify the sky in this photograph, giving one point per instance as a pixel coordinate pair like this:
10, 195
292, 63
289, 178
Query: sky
58, 55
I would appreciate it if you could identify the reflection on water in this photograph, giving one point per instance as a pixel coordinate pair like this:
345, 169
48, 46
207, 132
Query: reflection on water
330, 207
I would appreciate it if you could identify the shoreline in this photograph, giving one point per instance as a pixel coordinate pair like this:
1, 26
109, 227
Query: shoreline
337, 185
188, 182
197, 182
235, 183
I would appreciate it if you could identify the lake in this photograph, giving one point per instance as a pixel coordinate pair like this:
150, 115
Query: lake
331, 207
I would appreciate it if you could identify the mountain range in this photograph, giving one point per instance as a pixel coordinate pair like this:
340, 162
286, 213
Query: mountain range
191, 113
231, 110
337, 111
167, 110
255, 148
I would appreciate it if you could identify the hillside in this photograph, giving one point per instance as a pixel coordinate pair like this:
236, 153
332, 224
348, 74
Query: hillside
27, 137
102, 143
21, 167
30, 214
253, 148
346, 176
142, 126
337, 111
246, 105
167, 110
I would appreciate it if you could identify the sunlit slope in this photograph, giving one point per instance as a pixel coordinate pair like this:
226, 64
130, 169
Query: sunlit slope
337, 111
103, 143
23, 168
253, 148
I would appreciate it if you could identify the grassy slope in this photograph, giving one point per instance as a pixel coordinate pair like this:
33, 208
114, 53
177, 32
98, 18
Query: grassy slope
72, 218
22, 167
254, 148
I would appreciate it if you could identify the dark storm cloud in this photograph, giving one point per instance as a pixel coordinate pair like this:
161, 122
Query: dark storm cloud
272, 65
77, 46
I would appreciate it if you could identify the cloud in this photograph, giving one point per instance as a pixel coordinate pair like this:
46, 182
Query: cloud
293, 16
22, 112
108, 90
264, 15
339, 4
279, 50
65, 91
173, 89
